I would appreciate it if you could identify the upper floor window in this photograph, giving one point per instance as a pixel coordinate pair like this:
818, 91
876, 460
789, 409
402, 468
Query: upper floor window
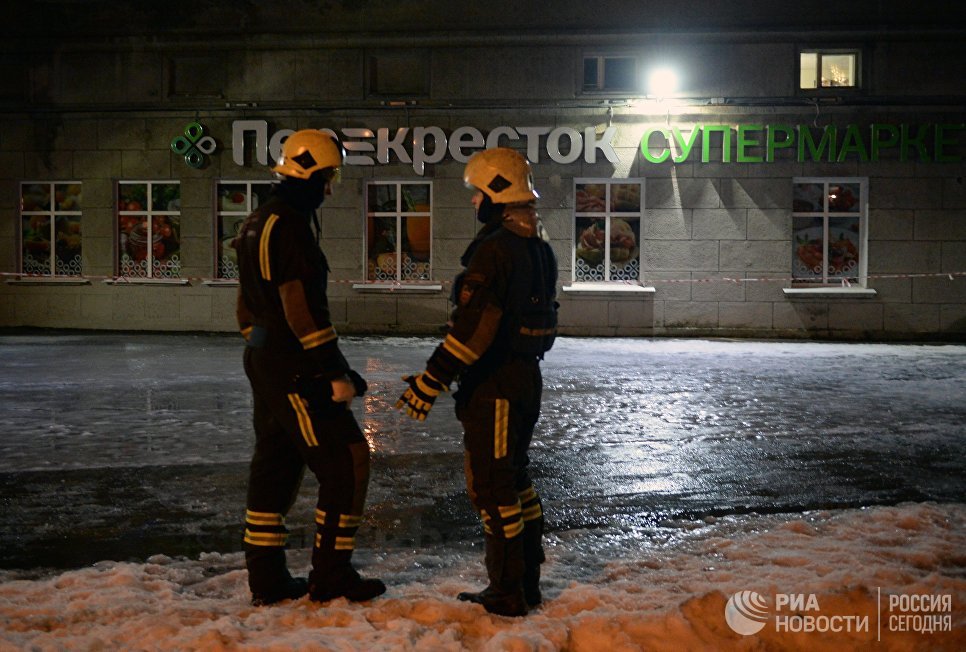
607, 229
149, 229
398, 73
603, 74
398, 231
829, 230
236, 199
820, 69
50, 230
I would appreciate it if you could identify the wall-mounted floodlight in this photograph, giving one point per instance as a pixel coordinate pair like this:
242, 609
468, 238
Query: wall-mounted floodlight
662, 82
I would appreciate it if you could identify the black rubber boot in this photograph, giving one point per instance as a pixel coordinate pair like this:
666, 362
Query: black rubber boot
334, 577
533, 556
269, 579
346, 584
293, 589
504, 566
498, 602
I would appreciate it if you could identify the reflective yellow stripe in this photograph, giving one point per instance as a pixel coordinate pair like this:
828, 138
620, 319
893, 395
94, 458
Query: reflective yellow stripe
350, 520
305, 422
263, 518
318, 338
511, 530
527, 494
506, 511
319, 516
345, 543
268, 539
426, 389
532, 513
486, 528
459, 350
500, 419
247, 331
263, 247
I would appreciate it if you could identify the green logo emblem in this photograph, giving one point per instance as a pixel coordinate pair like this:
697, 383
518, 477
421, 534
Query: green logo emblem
194, 145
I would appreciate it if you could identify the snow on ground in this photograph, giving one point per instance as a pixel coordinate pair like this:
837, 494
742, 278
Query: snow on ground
669, 596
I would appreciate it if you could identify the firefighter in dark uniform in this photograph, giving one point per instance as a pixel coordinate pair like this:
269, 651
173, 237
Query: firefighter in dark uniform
504, 321
302, 386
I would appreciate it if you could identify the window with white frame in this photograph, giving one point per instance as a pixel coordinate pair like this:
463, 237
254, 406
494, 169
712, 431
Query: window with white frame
50, 228
398, 231
235, 200
603, 74
825, 69
607, 230
829, 230
149, 229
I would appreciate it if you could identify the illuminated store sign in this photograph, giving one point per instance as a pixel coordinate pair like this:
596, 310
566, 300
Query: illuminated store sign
431, 144
754, 143
758, 143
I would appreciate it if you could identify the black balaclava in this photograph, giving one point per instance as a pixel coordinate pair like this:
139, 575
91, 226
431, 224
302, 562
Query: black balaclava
305, 195
491, 216
490, 213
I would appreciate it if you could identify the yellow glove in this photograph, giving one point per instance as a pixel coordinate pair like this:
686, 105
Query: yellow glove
419, 398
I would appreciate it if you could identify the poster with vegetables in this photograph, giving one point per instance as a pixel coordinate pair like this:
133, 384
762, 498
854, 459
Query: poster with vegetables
149, 241
51, 228
607, 245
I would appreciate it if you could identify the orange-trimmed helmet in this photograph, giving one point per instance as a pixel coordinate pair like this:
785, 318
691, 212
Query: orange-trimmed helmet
503, 174
307, 151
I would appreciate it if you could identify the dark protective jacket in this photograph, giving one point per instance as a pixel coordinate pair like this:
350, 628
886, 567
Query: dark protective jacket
505, 302
282, 302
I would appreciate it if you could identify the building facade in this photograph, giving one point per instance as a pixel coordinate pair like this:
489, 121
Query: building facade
799, 173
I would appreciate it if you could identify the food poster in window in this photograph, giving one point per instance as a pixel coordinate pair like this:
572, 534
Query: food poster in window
808, 250
166, 246
381, 253
607, 232
36, 244
233, 197
35, 229
625, 260
229, 226
166, 230
808, 197
133, 238
843, 197
67, 249
416, 232
415, 249
843, 247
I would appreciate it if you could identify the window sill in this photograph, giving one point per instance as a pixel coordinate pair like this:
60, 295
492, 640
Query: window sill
49, 280
610, 289
221, 283
408, 288
827, 292
147, 281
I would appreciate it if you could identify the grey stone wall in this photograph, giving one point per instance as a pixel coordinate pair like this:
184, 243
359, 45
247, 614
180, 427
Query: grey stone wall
715, 237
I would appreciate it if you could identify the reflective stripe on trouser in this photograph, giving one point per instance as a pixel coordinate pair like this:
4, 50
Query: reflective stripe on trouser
336, 531
265, 529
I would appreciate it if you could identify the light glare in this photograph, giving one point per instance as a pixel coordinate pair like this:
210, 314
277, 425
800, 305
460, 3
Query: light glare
663, 82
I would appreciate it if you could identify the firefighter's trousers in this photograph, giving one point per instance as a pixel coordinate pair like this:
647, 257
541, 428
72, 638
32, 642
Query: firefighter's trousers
297, 426
498, 413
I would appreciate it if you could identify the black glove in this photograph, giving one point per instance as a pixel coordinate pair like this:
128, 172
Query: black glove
419, 398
